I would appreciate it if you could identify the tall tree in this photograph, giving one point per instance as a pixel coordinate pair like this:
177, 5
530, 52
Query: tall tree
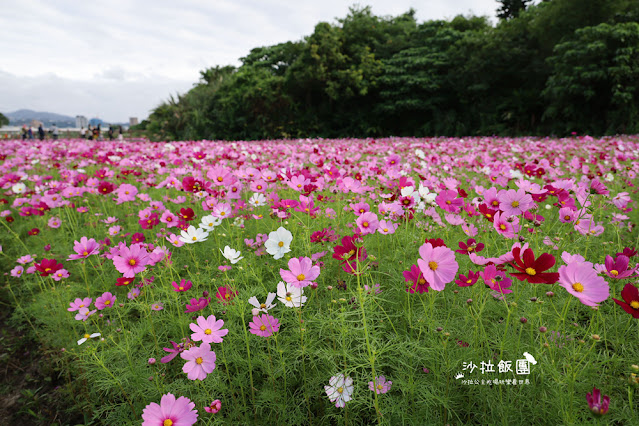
3, 120
510, 9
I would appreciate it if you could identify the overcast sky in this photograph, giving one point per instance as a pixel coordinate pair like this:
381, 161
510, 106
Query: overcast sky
117, 59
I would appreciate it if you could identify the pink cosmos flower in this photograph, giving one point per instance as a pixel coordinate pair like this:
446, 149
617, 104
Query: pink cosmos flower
208, 330
200, 361
386, 227
301, 273
264, 325
380, 385
17, 271
78, 304
197, 305
84, 314
107, 300
215, 407
504, 227
438, 265
131, 260
514, 203
59, 274
449, 202
157, 306
169, 219
367, 223
126, 192
54, 223
581, 280
84, 248
180, 412
596, 404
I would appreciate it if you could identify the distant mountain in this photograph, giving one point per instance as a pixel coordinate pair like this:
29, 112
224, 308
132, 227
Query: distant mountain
24, 116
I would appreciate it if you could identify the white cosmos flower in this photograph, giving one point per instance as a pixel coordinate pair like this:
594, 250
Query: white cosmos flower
290, 296
263, 307
19, 188
427, 196
278, 243
87, 337
257, 200
339, 390
210, 222
409, 191
193, 235
231, 255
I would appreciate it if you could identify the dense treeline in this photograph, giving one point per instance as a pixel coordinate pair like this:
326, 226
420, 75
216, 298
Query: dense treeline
557, 67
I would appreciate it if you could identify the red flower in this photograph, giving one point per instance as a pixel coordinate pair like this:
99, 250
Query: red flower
486, 212
467, 281
349, 254
435, 242
124, 281
48, 267
34, 231
415, 277
150, 222
187, 214
532, 270
630, 295
105, 187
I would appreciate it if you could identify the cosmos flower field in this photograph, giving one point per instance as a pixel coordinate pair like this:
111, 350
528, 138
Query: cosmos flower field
389, 281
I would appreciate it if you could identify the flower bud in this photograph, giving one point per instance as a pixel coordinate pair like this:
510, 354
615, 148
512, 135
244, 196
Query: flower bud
542, 329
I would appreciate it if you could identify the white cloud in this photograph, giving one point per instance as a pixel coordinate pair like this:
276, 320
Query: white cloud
122, 57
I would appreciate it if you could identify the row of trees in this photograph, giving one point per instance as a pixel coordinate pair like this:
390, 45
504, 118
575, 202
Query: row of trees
552, 68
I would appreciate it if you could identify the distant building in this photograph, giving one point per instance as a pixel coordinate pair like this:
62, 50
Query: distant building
96, 121
36, 123
133, 121
81, 121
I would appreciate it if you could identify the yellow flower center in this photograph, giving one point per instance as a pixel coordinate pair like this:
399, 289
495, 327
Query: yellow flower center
262, 327
263, 305
194, 238
380, 387
448, 202
531, 271
85, 253
340, 389
385, 229
614, 272
515, 204
469, 281
167, 422
288, 298
181, 288
107, 302
207, 331
365, 224
132, 262
567, 217
281, 244
421, 281
634, 304
220, 178
301, 277
87, 336
502, 227
222, 213
199, 360
578, 287
351, 252
82, 306
432, 265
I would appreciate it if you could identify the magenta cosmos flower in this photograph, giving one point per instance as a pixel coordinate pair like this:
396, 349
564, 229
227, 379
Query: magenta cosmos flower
415, 277
449, 202
618, 267
630, 296
595, 402
183, 286
200, 361
215, 407
131, 260
197, 304
208, 330
84, 248
48, 267
107, 300
264, 325
438, 265
180, 412
581, 280
301, 273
